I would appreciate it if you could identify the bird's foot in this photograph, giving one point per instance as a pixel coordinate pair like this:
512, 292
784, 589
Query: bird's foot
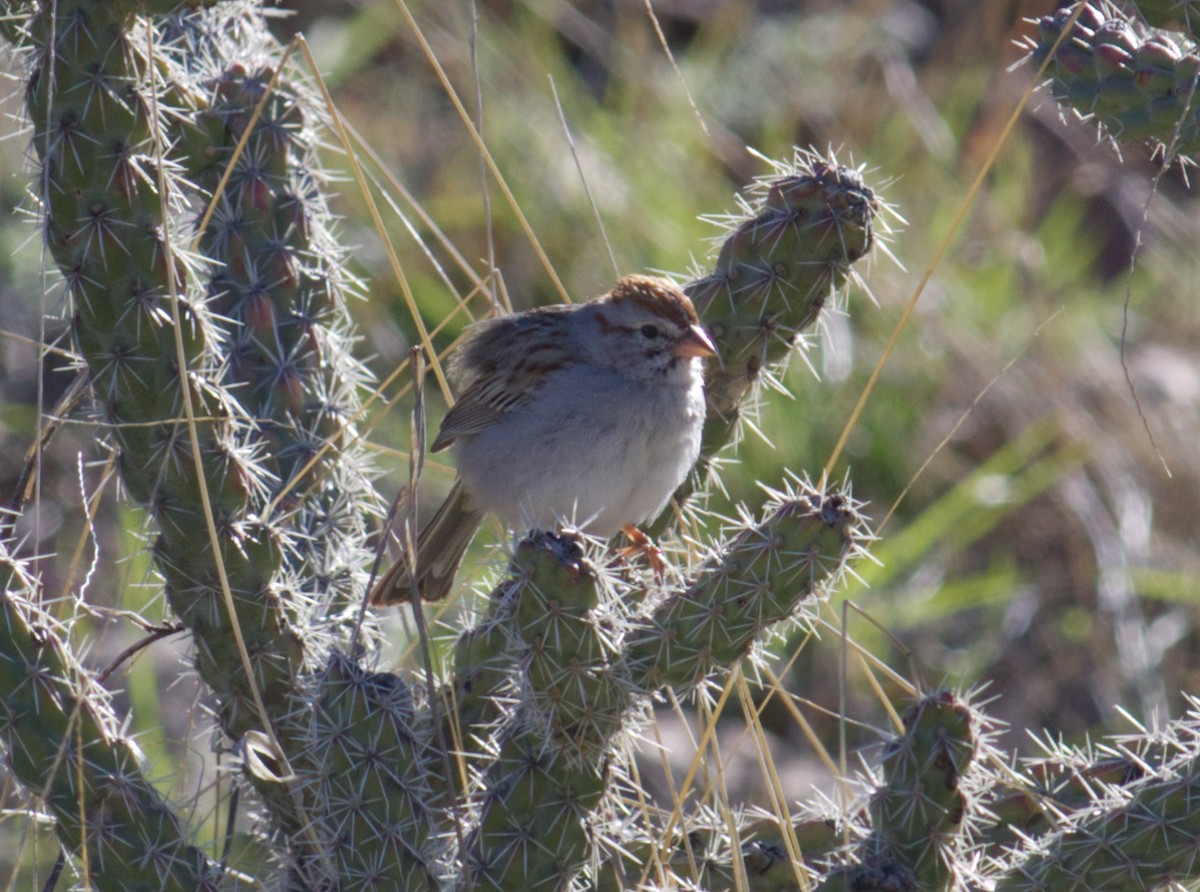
642, 545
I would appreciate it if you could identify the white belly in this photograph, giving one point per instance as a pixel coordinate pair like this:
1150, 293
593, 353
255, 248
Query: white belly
592, 449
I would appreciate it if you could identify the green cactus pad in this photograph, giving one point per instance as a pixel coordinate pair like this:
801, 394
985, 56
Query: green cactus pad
919, 812
373, 772
783, 258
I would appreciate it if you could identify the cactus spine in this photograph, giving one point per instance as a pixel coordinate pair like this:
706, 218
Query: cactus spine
1128, 817
783, 257
1134, 82
369, 764
64, 741
269, 386
544, 690
756, 580
136, 111
590, 660
90, 100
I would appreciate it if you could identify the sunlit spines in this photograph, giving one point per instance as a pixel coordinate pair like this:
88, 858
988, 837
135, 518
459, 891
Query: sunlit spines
545, 769
534, 804
281, 277
568, 654
63, 740
484, 684
1134, 82
1172, 15
114, 197
785, 255
372, 771
921, 812
760, 576
1129, 818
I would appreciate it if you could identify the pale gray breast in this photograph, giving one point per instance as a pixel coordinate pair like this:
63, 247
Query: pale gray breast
592, 444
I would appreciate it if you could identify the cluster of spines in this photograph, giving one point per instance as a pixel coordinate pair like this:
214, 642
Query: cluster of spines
276, 274
588, 660
785, 256
1136, 83
1028, 807
544, 770
916, 831
702, 857
92, 106
1127, 818
534, 804
279, 276
919, 814
941, 816
373, 776
1172, 15
113, 131
543, 740
64, 741
573, 687
762, 575
551, 750
483, 682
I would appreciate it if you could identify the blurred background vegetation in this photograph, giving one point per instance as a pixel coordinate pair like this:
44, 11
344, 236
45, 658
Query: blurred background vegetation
1040, 413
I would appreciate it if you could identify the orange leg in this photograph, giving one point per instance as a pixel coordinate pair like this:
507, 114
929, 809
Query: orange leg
641, 544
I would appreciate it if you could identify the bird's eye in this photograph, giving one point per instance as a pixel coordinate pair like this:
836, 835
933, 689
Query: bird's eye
650, 331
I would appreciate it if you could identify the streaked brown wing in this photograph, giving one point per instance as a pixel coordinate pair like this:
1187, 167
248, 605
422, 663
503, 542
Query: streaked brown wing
499, 371
470, 414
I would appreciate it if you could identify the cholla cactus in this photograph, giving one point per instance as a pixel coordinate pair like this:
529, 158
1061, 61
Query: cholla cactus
223, 370
371, 765
783, 257
593, 658
915, 831
214, 418
919, 814
1136, 83
64, 741
1125, 812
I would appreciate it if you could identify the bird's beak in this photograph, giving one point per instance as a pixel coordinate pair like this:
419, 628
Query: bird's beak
695, 342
